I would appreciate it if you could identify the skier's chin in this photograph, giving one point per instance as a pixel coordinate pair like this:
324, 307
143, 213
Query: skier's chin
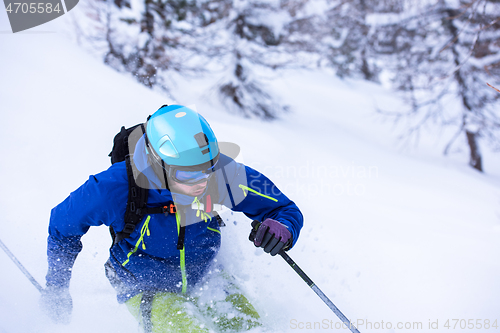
198, 191
191, 190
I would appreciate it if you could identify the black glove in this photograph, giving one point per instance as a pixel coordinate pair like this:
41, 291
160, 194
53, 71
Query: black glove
271, 235
57, 304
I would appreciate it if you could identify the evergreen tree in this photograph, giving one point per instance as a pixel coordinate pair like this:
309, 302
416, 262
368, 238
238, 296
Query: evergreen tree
147, 40
348, 42
255, 31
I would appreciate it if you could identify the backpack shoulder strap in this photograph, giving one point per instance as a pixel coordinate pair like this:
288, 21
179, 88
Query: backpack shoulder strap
137, 199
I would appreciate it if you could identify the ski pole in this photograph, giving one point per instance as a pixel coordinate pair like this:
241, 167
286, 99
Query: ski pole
21, 267
318, 291
310, 283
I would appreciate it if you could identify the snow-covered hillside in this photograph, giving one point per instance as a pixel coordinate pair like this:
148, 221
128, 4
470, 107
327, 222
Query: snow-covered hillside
399, 237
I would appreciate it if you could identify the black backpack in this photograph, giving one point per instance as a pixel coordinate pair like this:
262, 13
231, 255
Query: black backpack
138, 196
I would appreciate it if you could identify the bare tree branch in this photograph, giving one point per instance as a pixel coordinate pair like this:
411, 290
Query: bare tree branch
489, 85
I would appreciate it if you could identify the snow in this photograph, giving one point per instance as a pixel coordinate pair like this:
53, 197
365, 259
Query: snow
392, 235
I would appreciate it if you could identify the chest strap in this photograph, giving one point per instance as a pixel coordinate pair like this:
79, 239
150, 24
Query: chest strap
168, 208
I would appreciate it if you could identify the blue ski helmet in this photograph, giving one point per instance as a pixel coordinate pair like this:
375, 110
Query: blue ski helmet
180, 137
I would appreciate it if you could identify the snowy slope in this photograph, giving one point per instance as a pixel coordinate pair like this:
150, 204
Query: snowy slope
389, 235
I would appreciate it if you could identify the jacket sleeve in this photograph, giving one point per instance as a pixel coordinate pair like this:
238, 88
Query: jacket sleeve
252, 193
94, 203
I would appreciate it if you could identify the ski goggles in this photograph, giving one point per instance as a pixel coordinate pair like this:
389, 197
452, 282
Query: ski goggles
189, 177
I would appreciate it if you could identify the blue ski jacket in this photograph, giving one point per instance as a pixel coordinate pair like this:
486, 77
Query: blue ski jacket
149, 258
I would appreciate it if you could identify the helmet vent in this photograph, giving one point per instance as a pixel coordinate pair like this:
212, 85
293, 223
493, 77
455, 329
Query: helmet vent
201, 139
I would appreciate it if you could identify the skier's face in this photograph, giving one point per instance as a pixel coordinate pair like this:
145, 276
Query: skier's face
191, 190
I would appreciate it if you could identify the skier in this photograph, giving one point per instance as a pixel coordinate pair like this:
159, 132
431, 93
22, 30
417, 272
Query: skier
158, 265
